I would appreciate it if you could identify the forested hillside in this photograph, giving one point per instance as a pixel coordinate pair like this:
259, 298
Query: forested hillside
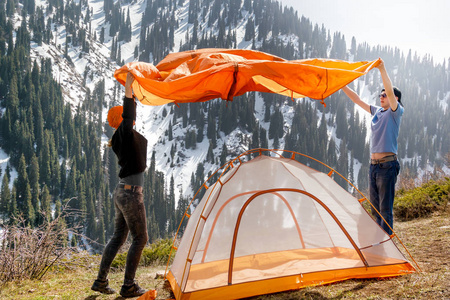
56, 85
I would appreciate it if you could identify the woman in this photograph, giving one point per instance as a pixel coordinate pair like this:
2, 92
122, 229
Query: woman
131, 150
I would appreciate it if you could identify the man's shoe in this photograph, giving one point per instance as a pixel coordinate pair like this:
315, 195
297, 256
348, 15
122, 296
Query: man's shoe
102, 287
134, 290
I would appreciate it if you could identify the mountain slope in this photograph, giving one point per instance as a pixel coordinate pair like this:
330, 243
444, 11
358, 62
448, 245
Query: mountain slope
87, 40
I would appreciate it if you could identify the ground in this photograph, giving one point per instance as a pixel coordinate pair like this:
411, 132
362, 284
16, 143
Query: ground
427, 239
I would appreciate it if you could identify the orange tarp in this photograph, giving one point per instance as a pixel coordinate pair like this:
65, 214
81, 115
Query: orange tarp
150, 295
205, 74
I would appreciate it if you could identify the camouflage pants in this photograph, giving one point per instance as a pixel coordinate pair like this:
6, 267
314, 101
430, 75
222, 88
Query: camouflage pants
129, 217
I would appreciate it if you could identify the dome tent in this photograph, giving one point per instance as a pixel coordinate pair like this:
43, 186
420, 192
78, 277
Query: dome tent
273, 224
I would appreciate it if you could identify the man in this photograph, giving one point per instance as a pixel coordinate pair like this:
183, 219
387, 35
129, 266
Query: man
131, 150
384, 166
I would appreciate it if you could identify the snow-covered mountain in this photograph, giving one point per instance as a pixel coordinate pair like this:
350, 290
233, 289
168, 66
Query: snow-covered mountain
79, 71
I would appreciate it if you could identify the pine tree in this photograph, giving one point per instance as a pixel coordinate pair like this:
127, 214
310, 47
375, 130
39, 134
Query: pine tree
341, 121
34, 183
184, 112
113, 170
101, 232
91, 216
210, 154
29, 212
171, 218
46, 204
353, 46
108, 209
58, 209
170, 131
160, 205
249, 30
10, 8
248, 5
276, 129
342, 165
128, 32
263, 138
200, 134
211, 133
80, 203
223, 155
22, 188
153, 230
44, 159
13, 209
331, 153
180, 213
351, 173
193, 10
255, 138
5, 199
38, 124
363, 176
71, 183
12, 99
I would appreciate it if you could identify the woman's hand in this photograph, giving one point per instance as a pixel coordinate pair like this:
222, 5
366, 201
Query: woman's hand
128, 89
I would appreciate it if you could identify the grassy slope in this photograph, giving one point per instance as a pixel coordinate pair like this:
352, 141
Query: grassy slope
427, 239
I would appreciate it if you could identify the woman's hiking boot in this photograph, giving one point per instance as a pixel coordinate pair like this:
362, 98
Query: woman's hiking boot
102, 287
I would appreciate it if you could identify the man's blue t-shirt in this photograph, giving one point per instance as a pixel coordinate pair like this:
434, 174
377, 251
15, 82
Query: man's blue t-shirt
385, 126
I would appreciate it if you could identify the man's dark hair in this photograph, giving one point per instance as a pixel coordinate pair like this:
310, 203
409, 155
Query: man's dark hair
397, 94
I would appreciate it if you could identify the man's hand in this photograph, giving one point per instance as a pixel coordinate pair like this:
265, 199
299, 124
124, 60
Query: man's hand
355, 98
387, 87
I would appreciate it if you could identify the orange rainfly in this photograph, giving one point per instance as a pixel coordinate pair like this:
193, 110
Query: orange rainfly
205, 74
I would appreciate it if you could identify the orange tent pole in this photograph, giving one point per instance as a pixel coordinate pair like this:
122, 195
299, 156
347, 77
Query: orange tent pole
238, 222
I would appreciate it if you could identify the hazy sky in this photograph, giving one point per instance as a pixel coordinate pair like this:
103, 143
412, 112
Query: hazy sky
419, 25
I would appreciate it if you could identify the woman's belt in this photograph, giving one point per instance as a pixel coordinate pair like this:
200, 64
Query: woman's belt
133, 188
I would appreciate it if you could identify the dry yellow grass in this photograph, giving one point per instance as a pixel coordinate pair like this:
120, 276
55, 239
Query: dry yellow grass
428, 240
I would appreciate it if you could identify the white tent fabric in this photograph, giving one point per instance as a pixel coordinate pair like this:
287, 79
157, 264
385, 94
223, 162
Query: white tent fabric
274, 217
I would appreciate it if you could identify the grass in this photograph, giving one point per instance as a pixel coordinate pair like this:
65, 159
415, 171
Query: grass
76, 284
427, 239
425, 232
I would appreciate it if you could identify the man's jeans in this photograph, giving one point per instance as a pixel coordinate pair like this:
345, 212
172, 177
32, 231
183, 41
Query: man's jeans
383, 177
130, 216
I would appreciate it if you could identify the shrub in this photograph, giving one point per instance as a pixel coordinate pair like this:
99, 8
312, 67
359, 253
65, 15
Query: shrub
423, 200
28, 253
155, 253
